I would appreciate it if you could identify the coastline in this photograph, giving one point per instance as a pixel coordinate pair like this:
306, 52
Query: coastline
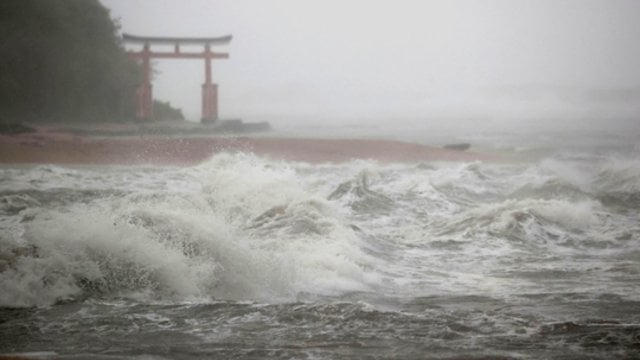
70, 149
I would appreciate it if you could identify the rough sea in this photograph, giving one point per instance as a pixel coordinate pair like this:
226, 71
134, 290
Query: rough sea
243, 257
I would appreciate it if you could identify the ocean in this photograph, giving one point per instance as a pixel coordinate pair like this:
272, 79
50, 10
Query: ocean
244, 257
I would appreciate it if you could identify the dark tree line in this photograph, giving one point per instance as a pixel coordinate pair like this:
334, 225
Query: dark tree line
61, 60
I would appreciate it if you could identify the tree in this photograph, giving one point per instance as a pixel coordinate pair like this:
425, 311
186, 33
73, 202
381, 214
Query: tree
62, 60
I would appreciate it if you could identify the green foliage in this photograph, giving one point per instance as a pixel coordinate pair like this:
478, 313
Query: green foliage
62, 60
164, 111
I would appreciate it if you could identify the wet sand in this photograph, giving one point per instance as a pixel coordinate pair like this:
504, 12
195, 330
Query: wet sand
64, 148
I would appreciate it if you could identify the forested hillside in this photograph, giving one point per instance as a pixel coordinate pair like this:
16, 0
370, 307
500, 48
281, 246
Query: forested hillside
61, 60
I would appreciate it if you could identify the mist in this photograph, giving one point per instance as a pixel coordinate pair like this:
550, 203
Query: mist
363, 60
451, 179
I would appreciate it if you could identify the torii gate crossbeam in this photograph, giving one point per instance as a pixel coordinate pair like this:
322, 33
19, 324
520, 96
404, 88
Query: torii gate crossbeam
144, 97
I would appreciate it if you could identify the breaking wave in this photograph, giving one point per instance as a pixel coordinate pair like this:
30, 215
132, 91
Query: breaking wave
241, 227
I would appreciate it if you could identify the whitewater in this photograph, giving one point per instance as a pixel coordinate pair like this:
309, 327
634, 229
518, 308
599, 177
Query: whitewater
247, 257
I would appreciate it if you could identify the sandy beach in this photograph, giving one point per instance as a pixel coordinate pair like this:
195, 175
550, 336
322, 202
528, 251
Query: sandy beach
66, 148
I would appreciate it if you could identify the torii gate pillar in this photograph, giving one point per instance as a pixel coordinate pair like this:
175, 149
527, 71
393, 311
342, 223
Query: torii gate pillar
144, 92
209, 91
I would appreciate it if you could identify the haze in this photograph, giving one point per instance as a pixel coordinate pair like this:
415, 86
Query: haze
402, 59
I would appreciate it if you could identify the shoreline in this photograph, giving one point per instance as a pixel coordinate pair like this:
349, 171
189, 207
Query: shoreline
70, 149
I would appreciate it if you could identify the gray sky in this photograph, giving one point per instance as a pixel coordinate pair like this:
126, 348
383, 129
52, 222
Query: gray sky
402, 58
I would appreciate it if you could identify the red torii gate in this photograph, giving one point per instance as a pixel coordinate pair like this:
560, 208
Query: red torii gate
144, 97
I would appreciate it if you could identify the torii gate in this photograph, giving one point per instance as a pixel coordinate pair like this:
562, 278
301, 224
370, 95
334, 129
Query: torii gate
144, 97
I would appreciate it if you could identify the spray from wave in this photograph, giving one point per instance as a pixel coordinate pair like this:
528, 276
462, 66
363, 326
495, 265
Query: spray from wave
245, 228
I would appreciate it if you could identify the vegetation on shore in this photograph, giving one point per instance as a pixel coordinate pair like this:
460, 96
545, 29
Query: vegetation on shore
62, 60
162, 110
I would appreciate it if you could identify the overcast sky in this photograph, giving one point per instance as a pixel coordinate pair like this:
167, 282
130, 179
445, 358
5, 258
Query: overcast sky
402, 58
